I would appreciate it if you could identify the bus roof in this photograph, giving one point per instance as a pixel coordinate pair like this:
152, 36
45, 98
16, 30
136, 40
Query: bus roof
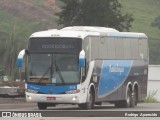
84, 31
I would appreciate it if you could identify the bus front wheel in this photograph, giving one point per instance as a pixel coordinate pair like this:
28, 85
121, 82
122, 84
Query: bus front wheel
42, 106
89, 103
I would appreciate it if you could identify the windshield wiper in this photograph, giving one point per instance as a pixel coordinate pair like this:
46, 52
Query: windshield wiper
59, 73
45, 73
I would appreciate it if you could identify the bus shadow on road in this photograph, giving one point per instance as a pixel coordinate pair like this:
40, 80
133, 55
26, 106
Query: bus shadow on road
75, 107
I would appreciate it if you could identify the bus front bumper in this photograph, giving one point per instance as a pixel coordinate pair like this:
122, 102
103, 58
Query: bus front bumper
54, 98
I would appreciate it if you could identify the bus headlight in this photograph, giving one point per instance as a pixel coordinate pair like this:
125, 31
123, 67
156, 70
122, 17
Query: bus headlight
72, 91
74, 98
29, 97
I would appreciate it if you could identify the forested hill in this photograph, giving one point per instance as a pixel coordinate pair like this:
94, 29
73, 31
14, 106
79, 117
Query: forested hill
20, 18
144, 13
31, 10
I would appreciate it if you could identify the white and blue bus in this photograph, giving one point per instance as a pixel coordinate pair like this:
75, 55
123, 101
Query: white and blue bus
86, 66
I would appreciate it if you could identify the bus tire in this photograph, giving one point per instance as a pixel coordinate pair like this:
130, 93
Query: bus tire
89, 103
90, 100
134, 98
128, 101
42, 106
136, 94
125, 103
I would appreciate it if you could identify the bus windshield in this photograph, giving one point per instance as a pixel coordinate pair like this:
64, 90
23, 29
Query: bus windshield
53, 68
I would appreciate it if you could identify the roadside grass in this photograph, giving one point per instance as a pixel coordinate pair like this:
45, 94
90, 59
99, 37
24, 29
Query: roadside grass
151, 97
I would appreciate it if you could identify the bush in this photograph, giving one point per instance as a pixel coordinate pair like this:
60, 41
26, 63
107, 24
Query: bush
151, 97
156, 22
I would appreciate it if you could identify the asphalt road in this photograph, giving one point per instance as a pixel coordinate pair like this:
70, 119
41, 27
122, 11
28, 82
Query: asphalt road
12, 104
71, 112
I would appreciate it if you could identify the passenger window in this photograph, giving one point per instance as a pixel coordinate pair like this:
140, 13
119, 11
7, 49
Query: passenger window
119, 48
127, 48
111, 51
134, 49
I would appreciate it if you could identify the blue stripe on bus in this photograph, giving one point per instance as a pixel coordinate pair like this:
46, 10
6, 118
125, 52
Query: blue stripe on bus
51, 89
127, 35
112, 76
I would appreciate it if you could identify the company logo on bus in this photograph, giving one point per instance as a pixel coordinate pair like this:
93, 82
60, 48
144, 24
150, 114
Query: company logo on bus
116, 69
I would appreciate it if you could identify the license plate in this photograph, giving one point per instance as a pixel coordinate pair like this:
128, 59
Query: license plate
51, 98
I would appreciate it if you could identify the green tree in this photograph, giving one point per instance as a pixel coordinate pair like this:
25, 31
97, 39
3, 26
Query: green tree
105, 13
12, 41
156, 22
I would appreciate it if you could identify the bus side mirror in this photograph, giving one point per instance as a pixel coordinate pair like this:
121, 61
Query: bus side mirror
20, 58
82, 59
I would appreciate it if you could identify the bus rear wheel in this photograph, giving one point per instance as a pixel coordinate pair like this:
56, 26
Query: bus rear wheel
125, 103
134, 98
128, 101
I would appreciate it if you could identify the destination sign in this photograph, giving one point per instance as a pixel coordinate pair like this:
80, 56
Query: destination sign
55, 45
58, 46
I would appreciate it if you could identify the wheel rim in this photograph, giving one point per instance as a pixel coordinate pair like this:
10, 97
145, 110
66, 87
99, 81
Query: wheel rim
128, 100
